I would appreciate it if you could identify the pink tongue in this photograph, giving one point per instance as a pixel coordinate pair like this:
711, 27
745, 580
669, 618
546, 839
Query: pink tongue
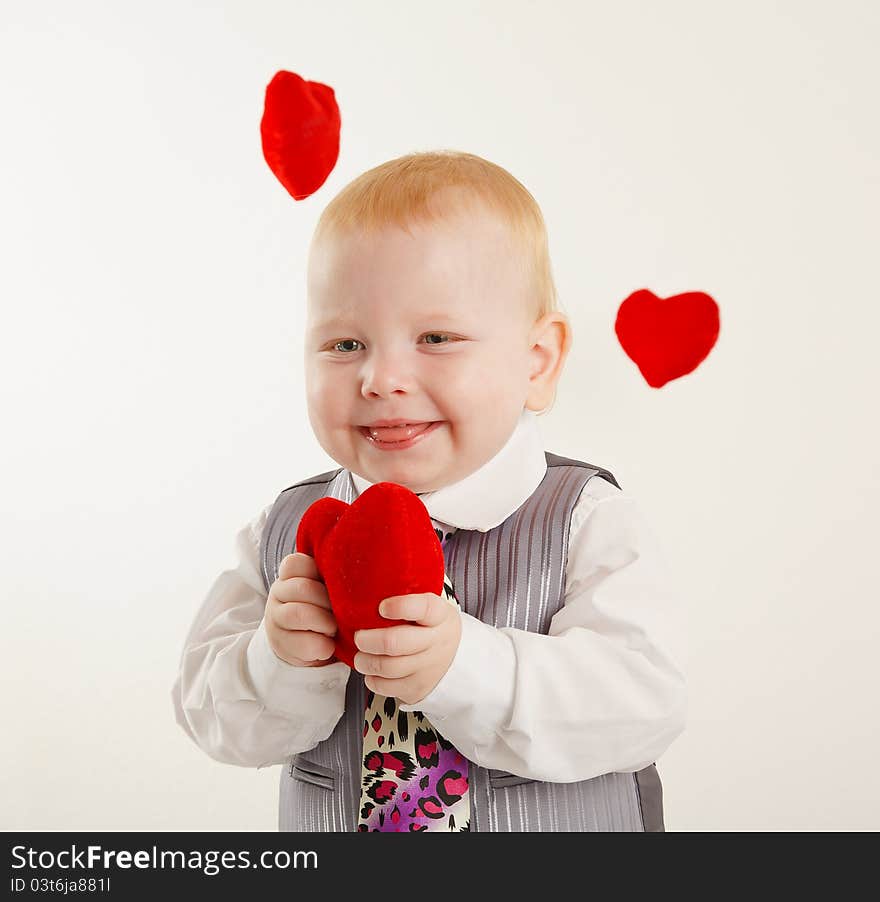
398, 433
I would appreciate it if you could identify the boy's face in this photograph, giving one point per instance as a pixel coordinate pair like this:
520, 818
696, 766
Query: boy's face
431, 330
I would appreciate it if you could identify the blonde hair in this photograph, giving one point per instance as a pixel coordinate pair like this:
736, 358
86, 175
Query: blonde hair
399, 193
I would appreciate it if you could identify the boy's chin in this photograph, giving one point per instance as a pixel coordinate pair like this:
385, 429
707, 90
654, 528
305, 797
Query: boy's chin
419, 484
416, 486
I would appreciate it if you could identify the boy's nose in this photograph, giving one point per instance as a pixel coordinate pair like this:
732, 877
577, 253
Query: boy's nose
382, 378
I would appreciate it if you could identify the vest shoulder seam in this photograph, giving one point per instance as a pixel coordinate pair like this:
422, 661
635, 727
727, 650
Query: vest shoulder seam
557, 460
329, 476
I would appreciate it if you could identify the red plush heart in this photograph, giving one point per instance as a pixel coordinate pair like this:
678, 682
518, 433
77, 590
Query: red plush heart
381, 545
300, 132
667, 338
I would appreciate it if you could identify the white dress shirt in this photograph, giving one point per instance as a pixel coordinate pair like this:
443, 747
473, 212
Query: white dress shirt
601, 692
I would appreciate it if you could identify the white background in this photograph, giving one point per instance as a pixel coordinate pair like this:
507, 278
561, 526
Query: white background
152, 290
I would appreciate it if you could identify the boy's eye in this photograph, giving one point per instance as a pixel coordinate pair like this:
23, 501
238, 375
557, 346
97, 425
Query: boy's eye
345, 341
431, 338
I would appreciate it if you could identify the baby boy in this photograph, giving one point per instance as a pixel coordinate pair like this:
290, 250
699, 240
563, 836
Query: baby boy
544, 685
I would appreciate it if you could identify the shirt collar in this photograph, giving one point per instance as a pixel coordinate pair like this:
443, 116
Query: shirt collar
489, 495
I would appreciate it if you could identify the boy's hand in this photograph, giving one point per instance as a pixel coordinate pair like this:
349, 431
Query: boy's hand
299, 620
405, 661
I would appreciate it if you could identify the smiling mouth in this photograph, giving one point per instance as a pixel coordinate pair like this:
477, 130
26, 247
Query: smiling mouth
399, 438
393, 434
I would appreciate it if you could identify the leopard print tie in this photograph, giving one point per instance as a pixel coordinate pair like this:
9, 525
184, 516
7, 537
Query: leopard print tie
413, 779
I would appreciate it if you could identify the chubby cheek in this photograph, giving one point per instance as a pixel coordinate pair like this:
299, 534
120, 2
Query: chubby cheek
482, 395
477, 416
457, 392
326, 402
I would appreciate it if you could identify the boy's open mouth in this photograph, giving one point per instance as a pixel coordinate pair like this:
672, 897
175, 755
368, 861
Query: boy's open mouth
402, 434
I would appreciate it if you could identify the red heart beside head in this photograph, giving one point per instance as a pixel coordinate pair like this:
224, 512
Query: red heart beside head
667, 337
381, 545
299, 132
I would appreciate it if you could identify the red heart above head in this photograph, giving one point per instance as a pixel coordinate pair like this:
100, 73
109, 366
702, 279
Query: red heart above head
381, 545
300, 132
667, 338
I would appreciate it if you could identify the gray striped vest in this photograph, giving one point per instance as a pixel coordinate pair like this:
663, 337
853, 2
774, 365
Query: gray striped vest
511, 576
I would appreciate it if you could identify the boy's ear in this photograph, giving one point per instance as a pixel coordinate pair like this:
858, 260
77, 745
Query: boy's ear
549, 342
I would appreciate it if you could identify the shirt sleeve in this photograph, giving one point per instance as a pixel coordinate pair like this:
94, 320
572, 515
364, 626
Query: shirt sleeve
234, 697
603, 691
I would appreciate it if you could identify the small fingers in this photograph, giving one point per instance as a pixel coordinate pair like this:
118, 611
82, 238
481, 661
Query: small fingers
300, 588
425, 608
395, 640
387, 667
298, 564
304, 616
312, 647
